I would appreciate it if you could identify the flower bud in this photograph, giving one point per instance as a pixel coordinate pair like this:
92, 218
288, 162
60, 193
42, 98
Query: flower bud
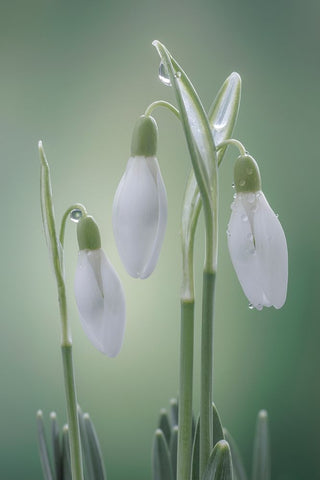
98, 292
139, 214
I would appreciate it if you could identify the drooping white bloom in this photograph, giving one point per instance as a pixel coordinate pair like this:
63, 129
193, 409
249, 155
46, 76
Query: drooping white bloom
140, 215
258, 250
100, 300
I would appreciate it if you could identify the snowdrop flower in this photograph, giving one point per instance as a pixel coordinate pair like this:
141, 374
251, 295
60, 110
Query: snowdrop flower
140, 204
98, 291
256, 240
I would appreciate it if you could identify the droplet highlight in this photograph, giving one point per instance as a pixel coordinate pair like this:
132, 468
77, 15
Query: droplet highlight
75, 215
164, 76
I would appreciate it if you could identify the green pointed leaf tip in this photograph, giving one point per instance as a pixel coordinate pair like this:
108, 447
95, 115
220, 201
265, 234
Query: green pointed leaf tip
174, 411
246, 175
161, 462
88, 234
217, 430
219, 465
224, 110
239, 472
43, 448
261, 468
145, 137
164, 424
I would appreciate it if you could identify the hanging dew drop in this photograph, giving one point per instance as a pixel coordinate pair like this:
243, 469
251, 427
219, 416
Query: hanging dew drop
251, 307
177, 74
75, 215
164, 76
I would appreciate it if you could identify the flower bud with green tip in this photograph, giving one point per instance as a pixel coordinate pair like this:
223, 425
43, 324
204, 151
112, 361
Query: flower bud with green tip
98, 291
140, 204
257, 243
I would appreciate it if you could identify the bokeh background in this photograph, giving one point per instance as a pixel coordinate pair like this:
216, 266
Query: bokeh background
76, 74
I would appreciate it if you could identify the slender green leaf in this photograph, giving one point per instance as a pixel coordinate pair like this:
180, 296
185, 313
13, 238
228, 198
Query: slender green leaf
195, 467
174, 411
56, 447
66, 462
173, 448
95, 449
261, 467
219, 465
224, 111
217, 430
86, 453
43, 448
239, 472
161, 462
164, 424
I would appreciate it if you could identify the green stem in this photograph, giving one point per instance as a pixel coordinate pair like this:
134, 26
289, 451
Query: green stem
206, 368
73, 423
185, 391
162, 103
235, 143
76, 206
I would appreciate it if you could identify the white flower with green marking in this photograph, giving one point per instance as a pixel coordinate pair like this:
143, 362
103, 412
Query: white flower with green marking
257, 243
98, 292
140, 204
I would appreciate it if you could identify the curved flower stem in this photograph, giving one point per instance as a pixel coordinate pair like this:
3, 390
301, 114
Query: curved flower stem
234, 142
185, 390
162, 103
76, 206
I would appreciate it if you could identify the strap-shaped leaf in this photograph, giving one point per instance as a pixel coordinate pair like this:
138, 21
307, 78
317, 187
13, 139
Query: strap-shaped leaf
195, 466
174, 411
217, 430
86, 453
66, 463
56, 447
219, 465
173, 448
164, 425
161, 461
239, 472
224, 111
43, 448
95, 449
261, 467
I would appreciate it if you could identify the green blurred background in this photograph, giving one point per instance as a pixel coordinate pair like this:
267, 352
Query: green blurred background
76, 74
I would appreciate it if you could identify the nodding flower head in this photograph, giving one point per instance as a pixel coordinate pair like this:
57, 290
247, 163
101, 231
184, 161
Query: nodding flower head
140, 204
98, 291
257, 244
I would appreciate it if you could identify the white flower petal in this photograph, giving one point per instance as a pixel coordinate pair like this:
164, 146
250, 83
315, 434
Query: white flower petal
140, 215
100, 300
258, 250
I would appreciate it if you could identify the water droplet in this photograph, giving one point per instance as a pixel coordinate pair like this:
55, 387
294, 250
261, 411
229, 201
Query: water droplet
75, 215
233, 185
228, 233
242, 183
258, 194
234, 195
163, 75
259, 306
244, 218
277, 215
177, 74
251, 307
251, 197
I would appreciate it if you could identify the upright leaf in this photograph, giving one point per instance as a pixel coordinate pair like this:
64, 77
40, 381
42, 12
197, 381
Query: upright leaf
195, 466
66, 462
56, 447
99, 472
261, 467
219, 465
239, 472
161, 462
217, 430
43, 448
173, 449
164, 424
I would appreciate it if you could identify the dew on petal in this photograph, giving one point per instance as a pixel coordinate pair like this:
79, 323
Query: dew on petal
177, 74
251, 307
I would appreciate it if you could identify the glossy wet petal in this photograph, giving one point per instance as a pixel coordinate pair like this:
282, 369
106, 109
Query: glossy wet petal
100, 300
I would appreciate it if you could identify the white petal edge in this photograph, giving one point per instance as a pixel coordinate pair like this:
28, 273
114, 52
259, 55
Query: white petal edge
139, 215
100, 300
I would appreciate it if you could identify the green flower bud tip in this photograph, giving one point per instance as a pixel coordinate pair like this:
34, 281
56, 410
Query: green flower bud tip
144, 137
246, 174
88, 234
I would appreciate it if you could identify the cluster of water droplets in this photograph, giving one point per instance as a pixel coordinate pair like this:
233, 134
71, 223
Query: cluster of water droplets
164, 75
75, 215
